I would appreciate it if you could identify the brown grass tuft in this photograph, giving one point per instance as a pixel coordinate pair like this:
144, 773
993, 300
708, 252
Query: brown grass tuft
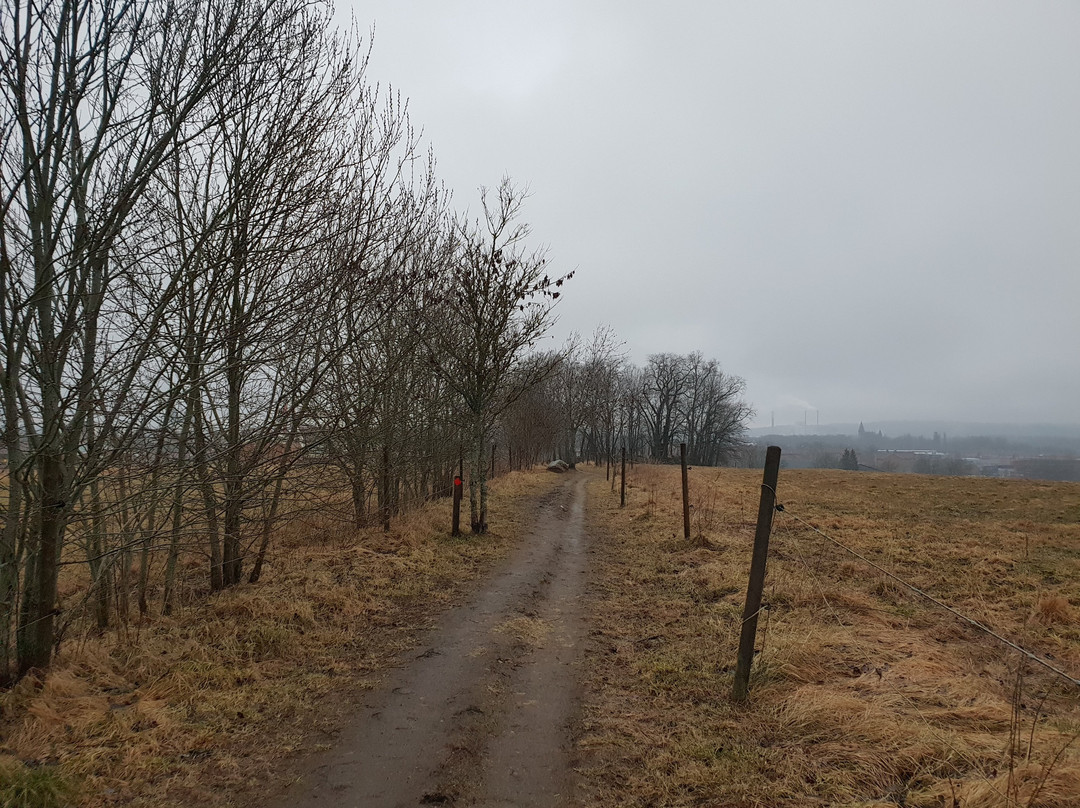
1054, 609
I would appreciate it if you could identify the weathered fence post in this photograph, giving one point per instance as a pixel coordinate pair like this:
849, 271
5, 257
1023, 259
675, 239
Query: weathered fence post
685, 494
622, 481
455, 525
757, 574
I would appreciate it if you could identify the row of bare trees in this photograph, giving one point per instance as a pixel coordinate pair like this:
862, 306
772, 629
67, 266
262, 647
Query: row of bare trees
233, 292
595, 403
231, 287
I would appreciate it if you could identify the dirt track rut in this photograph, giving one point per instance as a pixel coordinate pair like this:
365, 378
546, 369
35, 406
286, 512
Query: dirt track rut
481, 715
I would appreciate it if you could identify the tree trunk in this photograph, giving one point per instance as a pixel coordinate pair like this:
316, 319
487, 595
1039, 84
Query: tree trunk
96, 558
209, 501
9, 544
359, 495
231, 561
385, 489
123, 591
478, 480
37, 631
233, 513
168, 599
271, 515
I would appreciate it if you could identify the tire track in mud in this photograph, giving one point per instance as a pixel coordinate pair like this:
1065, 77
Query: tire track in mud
481, 715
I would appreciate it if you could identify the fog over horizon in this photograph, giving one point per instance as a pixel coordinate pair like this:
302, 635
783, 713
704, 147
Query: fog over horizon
867, 209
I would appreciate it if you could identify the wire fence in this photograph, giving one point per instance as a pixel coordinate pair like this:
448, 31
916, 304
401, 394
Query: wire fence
965, 763
971, 621
1002, 710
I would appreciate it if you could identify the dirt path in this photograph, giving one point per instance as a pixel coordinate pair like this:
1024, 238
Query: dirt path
481, 716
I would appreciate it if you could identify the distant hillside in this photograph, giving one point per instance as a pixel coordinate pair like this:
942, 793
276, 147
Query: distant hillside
954, 429
1033, 451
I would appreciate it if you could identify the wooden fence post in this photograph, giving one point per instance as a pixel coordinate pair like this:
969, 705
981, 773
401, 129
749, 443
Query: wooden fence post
685, 494
455, 524
757, 574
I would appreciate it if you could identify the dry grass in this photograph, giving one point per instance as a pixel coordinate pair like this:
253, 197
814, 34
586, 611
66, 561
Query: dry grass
207, 707
862, 693
527, 632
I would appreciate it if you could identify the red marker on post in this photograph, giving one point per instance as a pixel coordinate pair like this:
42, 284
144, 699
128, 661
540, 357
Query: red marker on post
456, 526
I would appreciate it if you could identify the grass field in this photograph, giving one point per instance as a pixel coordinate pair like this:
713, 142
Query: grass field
862, 693
206, 707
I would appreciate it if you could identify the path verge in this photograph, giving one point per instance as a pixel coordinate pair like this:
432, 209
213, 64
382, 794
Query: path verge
481, 714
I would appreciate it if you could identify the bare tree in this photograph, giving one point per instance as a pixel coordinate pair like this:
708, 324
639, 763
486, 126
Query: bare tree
713, 412
94, 95
496, 305
603, 365
531, 426
664, 382
569, 388
277, 161
688, 398
384, 406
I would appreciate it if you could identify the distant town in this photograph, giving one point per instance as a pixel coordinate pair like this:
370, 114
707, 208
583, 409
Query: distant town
1034, 452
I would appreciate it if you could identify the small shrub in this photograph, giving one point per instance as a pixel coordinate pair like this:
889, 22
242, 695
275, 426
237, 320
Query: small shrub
266, 640
24, 786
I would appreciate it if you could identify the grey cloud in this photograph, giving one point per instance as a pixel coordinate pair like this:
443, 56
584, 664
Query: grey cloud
870, 206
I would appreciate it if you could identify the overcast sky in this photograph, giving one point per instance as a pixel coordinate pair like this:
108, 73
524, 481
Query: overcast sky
864, 208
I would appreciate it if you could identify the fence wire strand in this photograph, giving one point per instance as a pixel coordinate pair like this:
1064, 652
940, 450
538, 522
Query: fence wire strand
868, 659
927, 596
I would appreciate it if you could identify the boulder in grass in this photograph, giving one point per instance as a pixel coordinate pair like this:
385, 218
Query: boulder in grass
558, 466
